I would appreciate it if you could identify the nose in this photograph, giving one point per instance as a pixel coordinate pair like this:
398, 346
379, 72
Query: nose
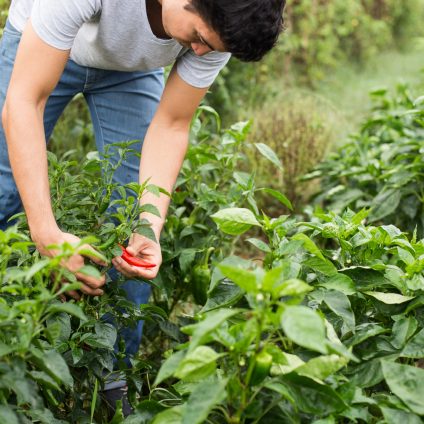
200, 49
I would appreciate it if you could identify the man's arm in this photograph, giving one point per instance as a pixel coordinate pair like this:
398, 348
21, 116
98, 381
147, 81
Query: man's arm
36, 72
166, 141
163, 152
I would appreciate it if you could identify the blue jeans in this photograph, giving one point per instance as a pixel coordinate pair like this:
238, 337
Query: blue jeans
121, 104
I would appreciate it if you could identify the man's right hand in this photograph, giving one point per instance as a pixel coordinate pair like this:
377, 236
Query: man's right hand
90, 285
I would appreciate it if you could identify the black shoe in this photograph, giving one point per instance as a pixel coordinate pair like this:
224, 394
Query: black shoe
112, 396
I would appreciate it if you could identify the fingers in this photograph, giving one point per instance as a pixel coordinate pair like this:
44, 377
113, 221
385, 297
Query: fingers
92, 254
74, 264
90, 285
133, 271
71, 293
91, 292
74, 294
92, 282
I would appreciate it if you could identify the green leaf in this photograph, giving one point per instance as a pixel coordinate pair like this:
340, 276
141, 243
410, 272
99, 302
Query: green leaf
247, 280
145, 412
69, 308
305, 327
321, 367
144, 231
285, 363
169, 367
367, 374
104, 337
106, 333
259, 244
7, 415
235, 221
406, 257
275, 284
226, 294
69, 286
328, 420
311, 397
360, 216
24, 388
339, 303
407, 383
186, 259
151, 209
364, 332
279, 196
309, 245
204, 397
44, 379
415, 347
366, 278
91, 253
324, 266
197, 364
118, 417
6, 349
402, 330
170, 416
292, 287
385, 204
390, 298
396, 416
53, 363
269, 154
90, 271
233, 261
341, 283
281, 389
37, 267
212, 321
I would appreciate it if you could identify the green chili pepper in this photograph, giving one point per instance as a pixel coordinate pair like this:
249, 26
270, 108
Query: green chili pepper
107, 243
261, 368
201, 279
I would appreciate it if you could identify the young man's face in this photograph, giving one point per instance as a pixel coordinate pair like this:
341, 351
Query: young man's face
188, 28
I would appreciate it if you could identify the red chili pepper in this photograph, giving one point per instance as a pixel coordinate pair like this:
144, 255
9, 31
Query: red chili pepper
132, 260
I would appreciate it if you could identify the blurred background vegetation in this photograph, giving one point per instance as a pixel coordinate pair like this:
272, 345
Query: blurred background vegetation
310, 92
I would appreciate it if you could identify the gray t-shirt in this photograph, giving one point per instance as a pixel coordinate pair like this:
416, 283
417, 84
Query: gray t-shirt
114, 35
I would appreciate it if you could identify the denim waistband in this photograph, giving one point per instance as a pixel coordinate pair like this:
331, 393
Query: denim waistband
10, 28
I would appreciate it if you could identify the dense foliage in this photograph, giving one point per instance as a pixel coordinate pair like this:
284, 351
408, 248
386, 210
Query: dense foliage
381, 167
324, 325
255, 317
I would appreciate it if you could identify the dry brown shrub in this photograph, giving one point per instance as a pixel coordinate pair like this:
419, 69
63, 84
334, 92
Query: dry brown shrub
300, 127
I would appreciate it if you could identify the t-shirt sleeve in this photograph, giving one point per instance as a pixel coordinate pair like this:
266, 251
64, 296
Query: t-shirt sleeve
201, 71
57, 22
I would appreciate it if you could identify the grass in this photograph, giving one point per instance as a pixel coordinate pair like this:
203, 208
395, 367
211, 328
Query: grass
302, 124
347, 88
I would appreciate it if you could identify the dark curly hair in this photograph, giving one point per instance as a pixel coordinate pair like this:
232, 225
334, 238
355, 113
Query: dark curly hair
248, 28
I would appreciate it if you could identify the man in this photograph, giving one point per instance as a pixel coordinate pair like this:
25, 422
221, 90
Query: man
113, 52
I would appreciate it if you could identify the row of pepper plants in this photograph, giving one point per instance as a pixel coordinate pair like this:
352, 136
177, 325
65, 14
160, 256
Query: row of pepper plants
253, 318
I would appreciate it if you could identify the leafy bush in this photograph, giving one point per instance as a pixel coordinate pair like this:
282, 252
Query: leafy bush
325, 327
299, 128
4, 7
332, 334
382, 167
87, 203
55, 356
